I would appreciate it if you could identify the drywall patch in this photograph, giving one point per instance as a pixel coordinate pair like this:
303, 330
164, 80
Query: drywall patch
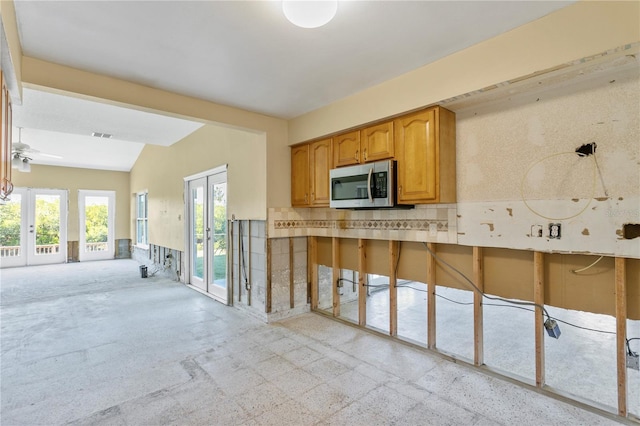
585, 231
630, 231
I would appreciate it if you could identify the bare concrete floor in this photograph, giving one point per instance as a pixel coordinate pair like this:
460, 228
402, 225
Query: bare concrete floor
93, 343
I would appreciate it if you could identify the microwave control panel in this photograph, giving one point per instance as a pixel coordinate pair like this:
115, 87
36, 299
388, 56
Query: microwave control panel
379, 189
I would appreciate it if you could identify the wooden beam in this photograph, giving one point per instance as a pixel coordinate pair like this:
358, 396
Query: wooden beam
267, 305
538, 298
621, 334
291, 275
362, 289
335, 252
313, 264
478, 325
431, 297
393, 289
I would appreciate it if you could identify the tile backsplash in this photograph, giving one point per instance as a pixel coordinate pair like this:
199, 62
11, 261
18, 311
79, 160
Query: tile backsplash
431, 223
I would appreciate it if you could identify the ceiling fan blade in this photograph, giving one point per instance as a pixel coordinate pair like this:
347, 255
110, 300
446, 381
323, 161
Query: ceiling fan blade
42, 154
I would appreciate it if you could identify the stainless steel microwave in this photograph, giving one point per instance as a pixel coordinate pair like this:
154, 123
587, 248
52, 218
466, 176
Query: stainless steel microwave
370, 185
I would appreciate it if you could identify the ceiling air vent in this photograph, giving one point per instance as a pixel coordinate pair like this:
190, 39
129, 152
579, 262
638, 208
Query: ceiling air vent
101, 135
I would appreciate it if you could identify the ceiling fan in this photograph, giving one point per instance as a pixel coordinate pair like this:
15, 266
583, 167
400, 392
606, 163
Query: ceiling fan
21, 154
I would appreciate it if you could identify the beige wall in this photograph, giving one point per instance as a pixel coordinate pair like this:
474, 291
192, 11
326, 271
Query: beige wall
161, 170
42, 75
74, 179
577, 31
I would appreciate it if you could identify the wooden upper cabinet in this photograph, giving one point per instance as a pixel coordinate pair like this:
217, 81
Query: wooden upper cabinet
300, 176
362, 146
6, 186
346, 149
425, 150
320, 161
377, 142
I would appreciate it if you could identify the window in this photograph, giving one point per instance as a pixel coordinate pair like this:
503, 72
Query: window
142, 221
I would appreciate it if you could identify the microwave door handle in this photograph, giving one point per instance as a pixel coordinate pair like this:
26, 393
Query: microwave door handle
369, 185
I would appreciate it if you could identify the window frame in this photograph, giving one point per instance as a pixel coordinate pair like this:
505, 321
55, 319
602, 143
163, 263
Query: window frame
142, 218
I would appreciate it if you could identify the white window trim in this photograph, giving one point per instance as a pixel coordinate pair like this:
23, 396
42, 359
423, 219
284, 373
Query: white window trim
146, 218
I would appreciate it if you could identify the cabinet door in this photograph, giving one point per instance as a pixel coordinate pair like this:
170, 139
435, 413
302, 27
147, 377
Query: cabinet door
320, 161
346, 149
417, 158
300, 176
377, 142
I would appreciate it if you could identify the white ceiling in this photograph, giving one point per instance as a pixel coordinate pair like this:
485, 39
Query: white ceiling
241, 53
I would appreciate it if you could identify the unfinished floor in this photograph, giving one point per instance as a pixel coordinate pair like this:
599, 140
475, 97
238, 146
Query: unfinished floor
93, 343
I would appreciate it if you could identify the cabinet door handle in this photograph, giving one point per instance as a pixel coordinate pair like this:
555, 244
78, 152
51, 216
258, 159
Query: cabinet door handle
306, 198
313, 196
400, 189
357, 157
365, 154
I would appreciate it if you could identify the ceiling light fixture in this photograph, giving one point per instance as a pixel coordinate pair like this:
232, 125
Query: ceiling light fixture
309, 13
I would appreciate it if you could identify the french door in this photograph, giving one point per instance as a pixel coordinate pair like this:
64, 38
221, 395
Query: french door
207, 234
33, 227
97, 214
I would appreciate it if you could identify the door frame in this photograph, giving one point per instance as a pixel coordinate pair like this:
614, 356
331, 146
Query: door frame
27, 217
187, 230
111, 214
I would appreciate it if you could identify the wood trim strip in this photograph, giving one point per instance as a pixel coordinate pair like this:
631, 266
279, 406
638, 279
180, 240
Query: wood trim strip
335, 252
621, 333
538, 298
431, 297
291, 275
394, 249
313, 241
268, 284
478, 325
362, 289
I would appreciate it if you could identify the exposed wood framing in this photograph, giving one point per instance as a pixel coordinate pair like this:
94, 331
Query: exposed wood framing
239, 263
478, 326
621, 334
249, 264
313, 265
431, 297
291, 275
309, 270
393, 289
538, 298
267, 305
335, 246
362, 289
229, 260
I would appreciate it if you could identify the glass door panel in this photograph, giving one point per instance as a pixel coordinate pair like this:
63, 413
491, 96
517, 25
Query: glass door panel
197, 232
97, 211
12, 238
218, 218
33, 227
207, 229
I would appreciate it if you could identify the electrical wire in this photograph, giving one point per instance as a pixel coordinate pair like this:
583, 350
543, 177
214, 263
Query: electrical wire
476, 289
575, 271
241, 259
535, 163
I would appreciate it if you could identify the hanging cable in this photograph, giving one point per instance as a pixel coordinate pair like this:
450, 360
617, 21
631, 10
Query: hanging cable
575, 271
476, 289
241, 259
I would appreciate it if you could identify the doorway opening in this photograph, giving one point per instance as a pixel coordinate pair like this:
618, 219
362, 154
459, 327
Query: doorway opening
33, 227
207, 233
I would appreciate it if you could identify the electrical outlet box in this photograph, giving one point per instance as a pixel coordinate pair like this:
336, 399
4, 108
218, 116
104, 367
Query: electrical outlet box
552, 328
554, 231
536, 231
633, 361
